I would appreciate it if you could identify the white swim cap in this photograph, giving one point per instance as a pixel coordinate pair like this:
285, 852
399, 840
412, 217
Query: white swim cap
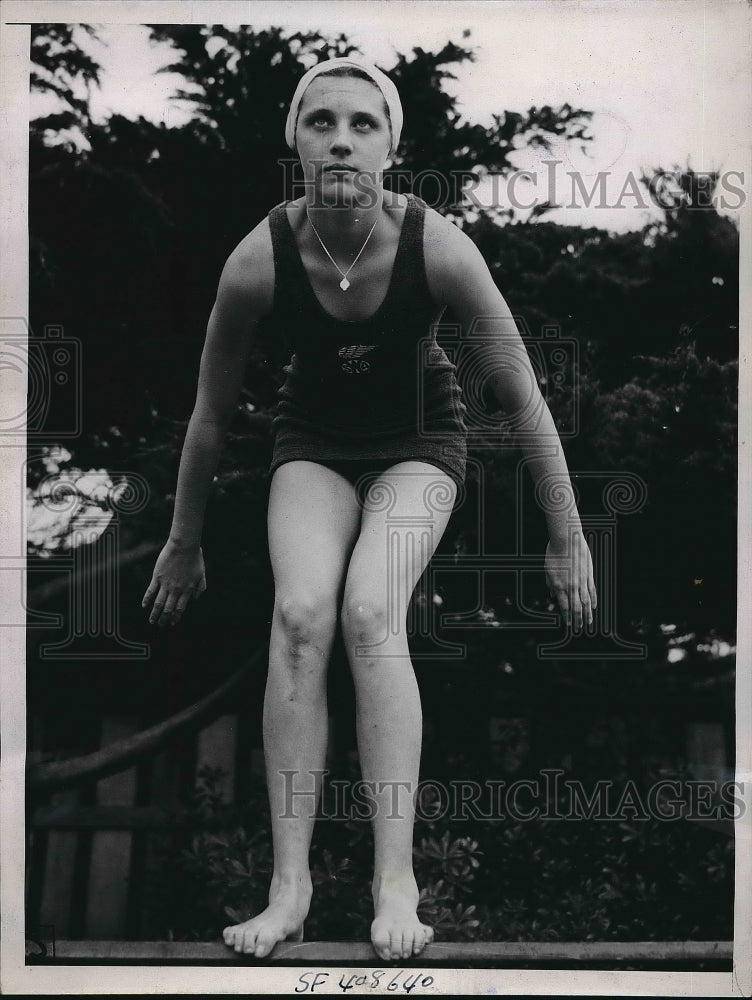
382, 81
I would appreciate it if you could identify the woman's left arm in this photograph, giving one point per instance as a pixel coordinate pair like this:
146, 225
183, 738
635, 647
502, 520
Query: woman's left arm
455, 265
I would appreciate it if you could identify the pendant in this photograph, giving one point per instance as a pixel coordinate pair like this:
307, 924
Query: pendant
344, 284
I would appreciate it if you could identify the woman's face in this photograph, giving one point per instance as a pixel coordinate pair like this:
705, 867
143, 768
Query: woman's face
342, 123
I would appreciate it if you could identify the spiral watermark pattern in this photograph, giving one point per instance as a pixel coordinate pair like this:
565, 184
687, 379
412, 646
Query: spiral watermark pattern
380, 496
439, 496
130, 495
554, 495
626, 494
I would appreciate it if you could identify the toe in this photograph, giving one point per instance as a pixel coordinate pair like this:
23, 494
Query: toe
249, 943
381, 944
408, 941
422, 938
264, 945
395, 945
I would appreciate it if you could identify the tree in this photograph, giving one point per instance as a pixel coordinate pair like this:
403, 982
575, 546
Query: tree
97, 233
61, 67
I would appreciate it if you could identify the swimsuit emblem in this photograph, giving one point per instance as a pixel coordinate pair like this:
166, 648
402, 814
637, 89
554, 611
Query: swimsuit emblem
352, 355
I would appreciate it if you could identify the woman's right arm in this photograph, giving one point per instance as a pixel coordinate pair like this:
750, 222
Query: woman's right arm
244, 295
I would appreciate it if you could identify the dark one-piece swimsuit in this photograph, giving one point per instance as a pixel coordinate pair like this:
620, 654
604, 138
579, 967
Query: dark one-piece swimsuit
361, 396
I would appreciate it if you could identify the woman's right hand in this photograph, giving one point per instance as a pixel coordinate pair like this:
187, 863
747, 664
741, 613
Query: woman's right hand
178, 576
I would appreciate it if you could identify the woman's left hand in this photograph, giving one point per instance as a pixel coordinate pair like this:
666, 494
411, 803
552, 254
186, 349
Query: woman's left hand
569, 574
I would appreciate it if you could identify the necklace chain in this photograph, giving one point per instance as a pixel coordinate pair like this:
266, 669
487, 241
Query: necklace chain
344, 284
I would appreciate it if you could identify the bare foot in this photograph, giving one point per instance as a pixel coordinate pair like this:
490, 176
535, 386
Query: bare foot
396, 931
282, 920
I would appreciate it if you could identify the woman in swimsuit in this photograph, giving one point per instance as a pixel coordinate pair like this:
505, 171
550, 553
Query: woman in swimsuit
353, 277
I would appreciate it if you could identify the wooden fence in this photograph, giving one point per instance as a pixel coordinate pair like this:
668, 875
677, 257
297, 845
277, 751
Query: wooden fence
89, 845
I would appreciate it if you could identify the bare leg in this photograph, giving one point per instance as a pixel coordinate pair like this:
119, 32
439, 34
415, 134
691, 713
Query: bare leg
313, 522
393, 550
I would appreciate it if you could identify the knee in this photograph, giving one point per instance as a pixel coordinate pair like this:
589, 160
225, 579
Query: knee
364, 620
306, 619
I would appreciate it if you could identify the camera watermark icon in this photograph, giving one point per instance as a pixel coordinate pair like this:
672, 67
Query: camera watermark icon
621, 494
42, 381
484, 356
410, 535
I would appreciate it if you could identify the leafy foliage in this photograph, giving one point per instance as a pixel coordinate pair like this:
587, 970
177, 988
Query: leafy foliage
61, 67
635, 881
